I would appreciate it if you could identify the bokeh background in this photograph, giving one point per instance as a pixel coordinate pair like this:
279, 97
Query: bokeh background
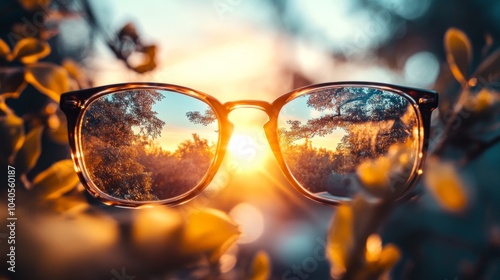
243, 49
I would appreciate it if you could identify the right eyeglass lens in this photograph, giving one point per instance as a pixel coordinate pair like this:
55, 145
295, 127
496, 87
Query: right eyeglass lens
147, 144
333, 139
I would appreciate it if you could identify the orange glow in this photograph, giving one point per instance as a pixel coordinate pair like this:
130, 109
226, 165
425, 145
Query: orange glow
373, 248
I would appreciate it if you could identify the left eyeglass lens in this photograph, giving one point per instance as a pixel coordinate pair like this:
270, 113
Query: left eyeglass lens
147, 144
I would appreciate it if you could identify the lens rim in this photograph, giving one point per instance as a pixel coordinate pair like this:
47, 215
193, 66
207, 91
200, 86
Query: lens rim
75, 104
423, 102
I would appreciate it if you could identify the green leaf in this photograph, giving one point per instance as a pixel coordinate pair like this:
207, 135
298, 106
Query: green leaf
50, 79
27, 156
261, 267
458, 53
12, 131
56, 180
489, 69
30, 50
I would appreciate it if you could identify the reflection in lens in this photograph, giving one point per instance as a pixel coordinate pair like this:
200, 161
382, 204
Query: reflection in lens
144, 145
327, 134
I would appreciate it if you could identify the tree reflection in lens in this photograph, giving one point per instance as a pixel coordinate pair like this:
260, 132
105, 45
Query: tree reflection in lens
326, 134
140, 145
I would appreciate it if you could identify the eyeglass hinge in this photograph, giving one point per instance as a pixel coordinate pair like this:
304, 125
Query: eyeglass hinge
426, 100
71, 102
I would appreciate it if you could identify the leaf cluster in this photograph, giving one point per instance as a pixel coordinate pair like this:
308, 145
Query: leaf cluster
450, 218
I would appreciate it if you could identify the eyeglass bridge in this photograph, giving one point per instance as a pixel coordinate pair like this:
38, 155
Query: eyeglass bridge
253, 104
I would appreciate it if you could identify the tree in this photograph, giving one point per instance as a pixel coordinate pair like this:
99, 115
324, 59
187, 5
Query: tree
372, 120
115, 130
176, 173
206, 119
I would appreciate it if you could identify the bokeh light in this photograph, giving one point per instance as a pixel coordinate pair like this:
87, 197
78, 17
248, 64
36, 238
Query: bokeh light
407, 9
421, 69
251, 222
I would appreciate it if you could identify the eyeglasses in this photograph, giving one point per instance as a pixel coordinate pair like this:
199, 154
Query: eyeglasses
150, 143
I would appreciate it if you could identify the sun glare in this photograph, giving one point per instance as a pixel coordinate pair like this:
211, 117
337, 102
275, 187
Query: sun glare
244, 152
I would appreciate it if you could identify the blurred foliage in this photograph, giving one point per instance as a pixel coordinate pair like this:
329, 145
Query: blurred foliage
86, 241
449, 229
261, 267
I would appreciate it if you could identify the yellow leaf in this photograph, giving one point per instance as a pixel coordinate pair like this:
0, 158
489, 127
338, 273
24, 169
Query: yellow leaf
364, 210
209, 231
74, 203
60, 133
75, 71
373, 248
27, 156
458, 53
156, 230
48, 78
340, 239
489, 69
73, 240
4, 50
445, 185
261, 267
480, 102
72, 67
56, 180
389, 256
30, 50
12, 82
12, 131
149, 62
374, 175
32, 5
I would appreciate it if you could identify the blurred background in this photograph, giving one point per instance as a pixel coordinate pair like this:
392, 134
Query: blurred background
242, 49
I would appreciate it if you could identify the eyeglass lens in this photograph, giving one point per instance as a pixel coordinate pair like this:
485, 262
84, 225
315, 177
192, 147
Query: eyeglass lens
147, 145
144, 145
327, 135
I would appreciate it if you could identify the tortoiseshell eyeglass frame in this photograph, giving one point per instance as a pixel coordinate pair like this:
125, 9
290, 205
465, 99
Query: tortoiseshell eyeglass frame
74, 104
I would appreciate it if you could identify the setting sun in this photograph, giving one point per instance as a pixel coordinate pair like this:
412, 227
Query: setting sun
245, 152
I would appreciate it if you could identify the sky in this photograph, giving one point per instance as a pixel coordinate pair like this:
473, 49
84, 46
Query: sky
172, 110
232, 49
